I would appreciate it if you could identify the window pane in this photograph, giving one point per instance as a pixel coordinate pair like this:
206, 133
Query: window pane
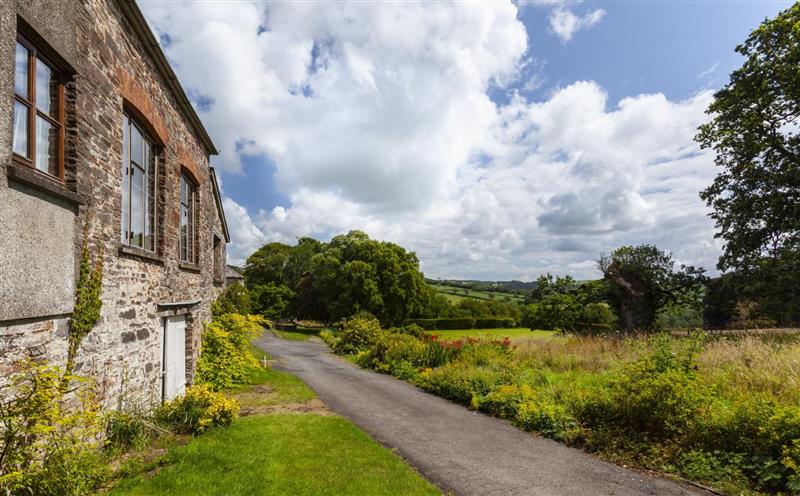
190, 232
137, 145
184, 233
150, 222
21, 72
184, 188
20, 129
125, 179
137, 207
46, 146
46, 90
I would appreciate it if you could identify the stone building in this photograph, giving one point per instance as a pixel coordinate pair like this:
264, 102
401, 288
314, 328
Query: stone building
99, 143
233, 275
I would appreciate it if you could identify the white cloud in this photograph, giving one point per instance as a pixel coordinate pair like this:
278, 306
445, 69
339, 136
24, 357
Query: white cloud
709, 71
377, 117
565, 23
245, 235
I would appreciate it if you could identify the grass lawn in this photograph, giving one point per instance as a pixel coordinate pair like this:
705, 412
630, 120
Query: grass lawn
268, 387
299, 334
282, 454
270, 453
517, 333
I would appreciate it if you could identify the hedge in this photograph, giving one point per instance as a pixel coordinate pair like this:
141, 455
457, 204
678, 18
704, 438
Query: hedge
444, 324
495, 323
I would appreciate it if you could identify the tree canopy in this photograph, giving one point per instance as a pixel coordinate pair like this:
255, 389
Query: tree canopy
644, 280
755, 133
334, 280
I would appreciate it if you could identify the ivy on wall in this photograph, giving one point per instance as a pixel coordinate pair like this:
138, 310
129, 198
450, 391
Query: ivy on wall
87, 301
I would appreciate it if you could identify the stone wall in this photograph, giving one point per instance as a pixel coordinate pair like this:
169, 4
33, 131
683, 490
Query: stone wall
114, 74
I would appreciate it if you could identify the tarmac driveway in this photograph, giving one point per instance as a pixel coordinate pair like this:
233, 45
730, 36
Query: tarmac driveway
462, 451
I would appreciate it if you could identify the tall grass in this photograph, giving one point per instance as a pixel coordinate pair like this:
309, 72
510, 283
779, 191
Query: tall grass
724, 411
736, 367
742, 367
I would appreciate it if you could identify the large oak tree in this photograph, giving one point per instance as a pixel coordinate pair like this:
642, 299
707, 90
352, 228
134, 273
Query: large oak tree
755, 132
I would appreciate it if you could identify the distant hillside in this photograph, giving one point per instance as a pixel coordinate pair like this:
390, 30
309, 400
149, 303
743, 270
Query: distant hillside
504, 286
455, 290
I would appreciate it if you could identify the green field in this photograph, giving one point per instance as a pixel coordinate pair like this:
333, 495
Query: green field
274, 451
517, 333
456, 294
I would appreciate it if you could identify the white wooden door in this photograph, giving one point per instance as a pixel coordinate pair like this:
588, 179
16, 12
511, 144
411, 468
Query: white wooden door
174, 356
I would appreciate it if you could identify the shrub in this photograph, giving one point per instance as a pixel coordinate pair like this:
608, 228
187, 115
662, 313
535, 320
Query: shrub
198, 410
128, 429
495, 323
389, 350
330, 338
547, 417
729, 405
657, 395
679, 316
410, 329
271, 301
791, 461
461, 382
530, 409
404, 371
504, 401
556, 311
235, 299
781, 434
733, 426
596, 318
560, 311
358, 334
712, 466
485, 353
444, 324
225, 355
48, 443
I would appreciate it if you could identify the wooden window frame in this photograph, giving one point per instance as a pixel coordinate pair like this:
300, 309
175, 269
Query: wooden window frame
192, 202
34, 55
126, 236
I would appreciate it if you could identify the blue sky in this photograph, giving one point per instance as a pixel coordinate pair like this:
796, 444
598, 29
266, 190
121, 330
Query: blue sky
497, 140
650, 46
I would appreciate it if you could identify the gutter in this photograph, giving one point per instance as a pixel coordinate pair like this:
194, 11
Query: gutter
218, 200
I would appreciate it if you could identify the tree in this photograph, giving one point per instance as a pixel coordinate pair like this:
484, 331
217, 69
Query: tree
299, 261
556, 311
235, 299
644, 280
331, 281
755, 133
268, 265
596, 318
357, 289
272, 301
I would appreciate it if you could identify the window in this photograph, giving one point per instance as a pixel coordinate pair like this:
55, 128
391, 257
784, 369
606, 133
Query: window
188, 248
38, 139
139, 176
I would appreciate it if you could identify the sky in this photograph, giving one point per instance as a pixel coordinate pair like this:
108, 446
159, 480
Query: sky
497, 140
